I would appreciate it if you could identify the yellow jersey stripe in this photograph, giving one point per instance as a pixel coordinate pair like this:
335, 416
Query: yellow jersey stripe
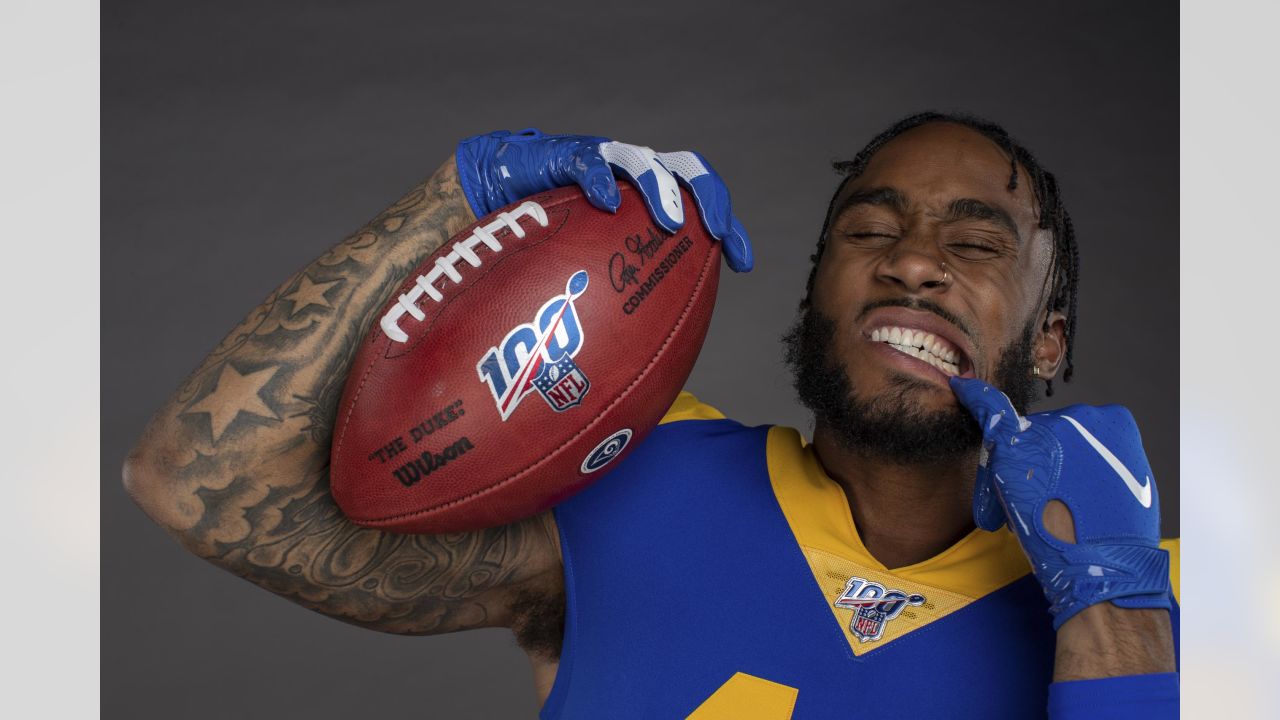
688, 407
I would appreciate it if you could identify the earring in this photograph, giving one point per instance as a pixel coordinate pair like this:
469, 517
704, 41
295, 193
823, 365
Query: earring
1035, 370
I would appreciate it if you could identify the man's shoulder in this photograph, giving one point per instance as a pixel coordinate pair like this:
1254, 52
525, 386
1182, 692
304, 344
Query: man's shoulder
698, 429
690, 420
696, 460
695, 437
688, 407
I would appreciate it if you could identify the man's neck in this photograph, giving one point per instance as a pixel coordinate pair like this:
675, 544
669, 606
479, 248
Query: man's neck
905, 514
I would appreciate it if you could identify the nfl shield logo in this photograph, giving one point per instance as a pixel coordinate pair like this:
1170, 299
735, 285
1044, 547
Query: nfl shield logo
561, 383
538, 355
873, 606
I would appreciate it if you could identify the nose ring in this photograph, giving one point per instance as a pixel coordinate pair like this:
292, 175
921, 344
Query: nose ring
945, 275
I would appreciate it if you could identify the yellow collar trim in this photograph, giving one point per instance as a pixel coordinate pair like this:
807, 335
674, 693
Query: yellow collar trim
818, 512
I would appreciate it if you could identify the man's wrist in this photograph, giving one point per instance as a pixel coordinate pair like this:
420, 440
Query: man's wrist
1107, 641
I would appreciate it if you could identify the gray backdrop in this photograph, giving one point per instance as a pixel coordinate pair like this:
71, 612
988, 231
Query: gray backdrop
240, 140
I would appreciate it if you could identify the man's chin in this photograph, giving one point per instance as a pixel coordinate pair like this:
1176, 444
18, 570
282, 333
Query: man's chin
923, 394
902, 419
910, 425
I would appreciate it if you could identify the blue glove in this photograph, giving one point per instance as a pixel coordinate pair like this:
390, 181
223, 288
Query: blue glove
500, 168
1091, 459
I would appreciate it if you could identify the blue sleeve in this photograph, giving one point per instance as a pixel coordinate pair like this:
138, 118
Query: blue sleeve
1129, 696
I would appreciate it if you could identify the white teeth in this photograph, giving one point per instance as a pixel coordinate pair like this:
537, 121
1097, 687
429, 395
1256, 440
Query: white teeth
945, 367
922, 345
940, 349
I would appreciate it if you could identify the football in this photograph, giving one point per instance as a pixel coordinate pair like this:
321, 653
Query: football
519, 362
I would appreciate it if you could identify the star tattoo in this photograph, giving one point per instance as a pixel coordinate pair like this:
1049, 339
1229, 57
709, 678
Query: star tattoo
309, 293
234, 394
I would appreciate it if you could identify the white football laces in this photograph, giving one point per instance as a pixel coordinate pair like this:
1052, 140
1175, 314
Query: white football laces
444, 268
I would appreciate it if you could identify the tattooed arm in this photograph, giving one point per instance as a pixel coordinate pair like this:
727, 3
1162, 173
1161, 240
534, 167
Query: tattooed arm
236, 463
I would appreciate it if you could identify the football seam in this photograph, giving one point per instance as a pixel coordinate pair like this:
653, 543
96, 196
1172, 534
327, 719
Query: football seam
712, 257
491, 268
364, 377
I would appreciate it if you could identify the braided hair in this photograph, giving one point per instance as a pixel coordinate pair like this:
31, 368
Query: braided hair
1065, 269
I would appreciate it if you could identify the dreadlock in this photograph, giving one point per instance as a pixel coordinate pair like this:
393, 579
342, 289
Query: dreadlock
1065, 268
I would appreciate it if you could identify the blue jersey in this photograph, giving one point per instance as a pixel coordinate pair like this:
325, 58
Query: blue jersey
717, 573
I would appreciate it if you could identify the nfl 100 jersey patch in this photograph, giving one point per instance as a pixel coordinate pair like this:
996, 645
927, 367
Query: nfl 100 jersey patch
873, 606
538, 356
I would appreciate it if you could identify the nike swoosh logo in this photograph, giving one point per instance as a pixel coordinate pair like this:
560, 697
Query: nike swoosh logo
1140, 491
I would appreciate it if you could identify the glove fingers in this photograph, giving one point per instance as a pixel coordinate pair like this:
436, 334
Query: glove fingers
657, 186
590, 171
990, 407
693, 171
737, 249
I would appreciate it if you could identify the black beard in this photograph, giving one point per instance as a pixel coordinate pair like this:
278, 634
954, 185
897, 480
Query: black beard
893, 426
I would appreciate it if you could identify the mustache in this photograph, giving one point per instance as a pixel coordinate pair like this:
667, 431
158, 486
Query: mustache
916, 304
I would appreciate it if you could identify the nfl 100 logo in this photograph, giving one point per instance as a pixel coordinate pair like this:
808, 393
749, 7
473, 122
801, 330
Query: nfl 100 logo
538, 356
873, 606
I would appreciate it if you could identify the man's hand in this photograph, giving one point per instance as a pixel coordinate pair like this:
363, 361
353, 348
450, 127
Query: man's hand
1091, 460
501, 167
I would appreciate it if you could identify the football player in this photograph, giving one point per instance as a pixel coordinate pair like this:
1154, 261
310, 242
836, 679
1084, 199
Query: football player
934, 551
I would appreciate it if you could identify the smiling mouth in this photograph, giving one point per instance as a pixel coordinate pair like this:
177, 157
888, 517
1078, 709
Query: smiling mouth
924, 346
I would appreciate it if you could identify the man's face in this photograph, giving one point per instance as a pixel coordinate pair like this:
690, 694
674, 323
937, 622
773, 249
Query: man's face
937, 194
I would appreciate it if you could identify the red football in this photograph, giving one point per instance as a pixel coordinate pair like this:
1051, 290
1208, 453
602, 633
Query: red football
519, 361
